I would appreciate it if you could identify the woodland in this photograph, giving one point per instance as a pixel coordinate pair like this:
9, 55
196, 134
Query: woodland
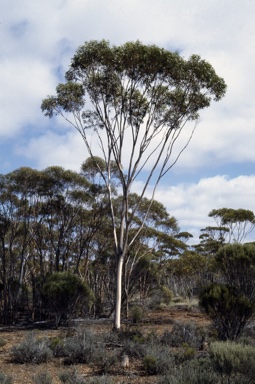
58, 259
82, 246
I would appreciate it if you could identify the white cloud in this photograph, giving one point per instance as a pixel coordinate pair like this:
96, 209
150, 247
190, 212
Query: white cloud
191, 203
66, 150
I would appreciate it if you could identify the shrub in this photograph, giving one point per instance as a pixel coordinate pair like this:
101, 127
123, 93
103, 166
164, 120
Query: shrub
160, 297
137, 313
158, 360
101, 380
82, 348
231, 358
2, 342
184, 333
43, 378
105, 361
71, 377
5, 379
134, 349
196, 371
31, 350
63, 294
56, 344
228, 310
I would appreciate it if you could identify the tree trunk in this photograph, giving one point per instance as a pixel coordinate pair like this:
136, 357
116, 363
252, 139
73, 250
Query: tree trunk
117, 317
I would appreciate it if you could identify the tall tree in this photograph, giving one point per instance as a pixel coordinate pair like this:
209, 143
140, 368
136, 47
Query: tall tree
236, 223
134, 101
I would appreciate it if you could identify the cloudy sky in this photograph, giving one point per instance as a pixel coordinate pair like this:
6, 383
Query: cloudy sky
38, 39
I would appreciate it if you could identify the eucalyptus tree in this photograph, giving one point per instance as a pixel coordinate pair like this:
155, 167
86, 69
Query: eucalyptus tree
68, 197
19, 195
237, 224
130, 104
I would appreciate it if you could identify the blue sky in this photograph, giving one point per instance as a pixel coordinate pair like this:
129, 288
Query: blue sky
38, 39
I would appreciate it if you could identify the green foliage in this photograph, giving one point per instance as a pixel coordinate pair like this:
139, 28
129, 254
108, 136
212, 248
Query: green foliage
196, 371
71, 377
2, 342
56, 344
160, 297
137, 313
239, 222
83, 348
43, 378
101, 380
5, 379
228, 310
31, 350
64, 294
237, 264
182, 334
102, 69
231, 358
158, 360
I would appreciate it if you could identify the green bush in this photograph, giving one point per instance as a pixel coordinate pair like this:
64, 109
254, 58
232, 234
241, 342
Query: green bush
184, 333
160, 297
82, 348
71, 377
63, 294
196, 371
5, 379
101, 380
56, 344
31, 350
133, 349
43, 378
2, 342
158, 360
228, 310
137, 314
231, 358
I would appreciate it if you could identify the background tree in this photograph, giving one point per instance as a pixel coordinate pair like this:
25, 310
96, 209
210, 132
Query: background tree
135, 99
65, 294
238, 223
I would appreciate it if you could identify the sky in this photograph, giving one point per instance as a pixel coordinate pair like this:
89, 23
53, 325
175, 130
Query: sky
37, 41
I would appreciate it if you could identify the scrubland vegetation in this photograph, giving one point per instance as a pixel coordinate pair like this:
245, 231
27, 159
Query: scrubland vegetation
174, 345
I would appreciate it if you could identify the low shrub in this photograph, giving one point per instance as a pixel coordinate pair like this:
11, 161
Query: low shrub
71, 377
158, 360
133, 349
31, 350
196, 371
231, 358
106, 361
56, 344
5, 379
43, 378
82, 348
137, 313
2, 342
160, 297
188, 333
101, 380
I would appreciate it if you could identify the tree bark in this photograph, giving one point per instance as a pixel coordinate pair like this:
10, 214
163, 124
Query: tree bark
117, 317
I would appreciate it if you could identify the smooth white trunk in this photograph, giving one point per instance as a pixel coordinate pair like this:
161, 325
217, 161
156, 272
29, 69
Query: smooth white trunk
117, 318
